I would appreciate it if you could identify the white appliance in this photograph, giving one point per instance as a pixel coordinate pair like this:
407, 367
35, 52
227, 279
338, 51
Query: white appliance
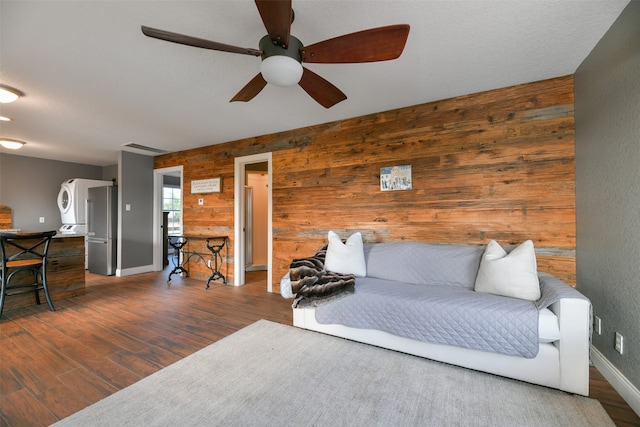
72, 200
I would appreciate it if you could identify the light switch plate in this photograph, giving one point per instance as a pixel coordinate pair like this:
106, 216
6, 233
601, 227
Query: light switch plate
619, 346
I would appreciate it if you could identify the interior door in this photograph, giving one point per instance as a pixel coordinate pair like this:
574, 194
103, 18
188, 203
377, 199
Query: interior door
248, 226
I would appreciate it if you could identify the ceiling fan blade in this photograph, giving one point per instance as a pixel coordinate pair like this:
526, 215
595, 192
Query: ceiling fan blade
196, 42
276, 16
252, 88
375, 44
320, 89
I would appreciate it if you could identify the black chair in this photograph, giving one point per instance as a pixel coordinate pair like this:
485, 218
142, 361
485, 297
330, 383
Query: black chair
25, 252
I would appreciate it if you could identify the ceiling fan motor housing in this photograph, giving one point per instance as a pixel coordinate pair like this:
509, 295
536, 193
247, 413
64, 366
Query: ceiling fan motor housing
269, 48
281, 66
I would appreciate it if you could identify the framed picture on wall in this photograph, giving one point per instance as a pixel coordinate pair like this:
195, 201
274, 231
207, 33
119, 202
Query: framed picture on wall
395, 178
211, 185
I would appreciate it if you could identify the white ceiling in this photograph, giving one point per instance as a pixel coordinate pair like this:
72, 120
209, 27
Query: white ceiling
93, 82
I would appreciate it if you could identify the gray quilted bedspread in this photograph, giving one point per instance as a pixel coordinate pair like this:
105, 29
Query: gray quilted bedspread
446, 314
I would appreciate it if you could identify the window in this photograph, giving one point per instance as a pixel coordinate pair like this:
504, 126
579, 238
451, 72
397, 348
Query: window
171, 202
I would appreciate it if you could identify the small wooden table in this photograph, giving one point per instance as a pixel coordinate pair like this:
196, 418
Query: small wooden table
181, 256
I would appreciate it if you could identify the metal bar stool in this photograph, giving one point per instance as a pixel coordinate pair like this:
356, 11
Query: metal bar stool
25, 252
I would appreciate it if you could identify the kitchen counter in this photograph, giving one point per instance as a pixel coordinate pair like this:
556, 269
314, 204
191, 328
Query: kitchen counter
65, 272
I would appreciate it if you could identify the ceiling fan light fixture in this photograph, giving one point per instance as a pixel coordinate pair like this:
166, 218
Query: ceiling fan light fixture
12, 144
281, 70
8, 94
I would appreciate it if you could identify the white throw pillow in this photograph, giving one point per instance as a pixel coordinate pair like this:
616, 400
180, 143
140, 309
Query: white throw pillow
346, 258
285, 286
511, 275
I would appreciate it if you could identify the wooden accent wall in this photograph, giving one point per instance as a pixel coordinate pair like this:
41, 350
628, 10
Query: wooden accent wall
5, 218
492, 165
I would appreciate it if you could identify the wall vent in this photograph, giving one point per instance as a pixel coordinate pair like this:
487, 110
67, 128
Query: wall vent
145, 148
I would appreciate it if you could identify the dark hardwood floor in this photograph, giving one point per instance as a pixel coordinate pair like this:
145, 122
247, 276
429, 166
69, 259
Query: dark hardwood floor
53, 364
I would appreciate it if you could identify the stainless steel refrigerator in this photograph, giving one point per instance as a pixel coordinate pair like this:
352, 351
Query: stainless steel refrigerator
102, 222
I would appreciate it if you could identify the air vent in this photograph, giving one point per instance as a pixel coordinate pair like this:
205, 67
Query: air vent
145, 148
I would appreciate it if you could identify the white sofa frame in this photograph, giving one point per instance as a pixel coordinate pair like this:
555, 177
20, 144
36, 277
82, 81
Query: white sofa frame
563, 364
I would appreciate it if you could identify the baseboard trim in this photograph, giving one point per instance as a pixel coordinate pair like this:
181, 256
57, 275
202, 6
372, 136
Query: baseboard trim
135, 270
619, 382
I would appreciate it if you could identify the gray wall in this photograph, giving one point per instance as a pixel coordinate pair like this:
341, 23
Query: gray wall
607, 120
30, 186
110, 173
136, 225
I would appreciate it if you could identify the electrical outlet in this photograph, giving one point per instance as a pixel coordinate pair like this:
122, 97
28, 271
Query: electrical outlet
619, 343
597, 325
41, 220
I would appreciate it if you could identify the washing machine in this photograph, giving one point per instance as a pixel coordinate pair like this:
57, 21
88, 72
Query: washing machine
71, 202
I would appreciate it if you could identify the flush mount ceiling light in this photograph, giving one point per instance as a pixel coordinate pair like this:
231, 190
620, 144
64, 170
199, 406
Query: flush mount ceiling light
281, 70
281, 66
5, 119
12, 144
8, 94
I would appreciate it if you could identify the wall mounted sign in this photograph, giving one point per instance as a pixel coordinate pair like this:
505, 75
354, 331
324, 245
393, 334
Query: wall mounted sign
395, 178
211, 185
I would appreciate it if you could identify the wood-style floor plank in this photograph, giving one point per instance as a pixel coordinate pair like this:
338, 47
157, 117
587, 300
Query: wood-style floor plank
616, 407
53, 364
24, 409
86, 384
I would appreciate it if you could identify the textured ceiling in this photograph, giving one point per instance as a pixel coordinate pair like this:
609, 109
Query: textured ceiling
93, 82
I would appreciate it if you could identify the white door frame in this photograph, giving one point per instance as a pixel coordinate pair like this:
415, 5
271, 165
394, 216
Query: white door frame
158, 239
238, 220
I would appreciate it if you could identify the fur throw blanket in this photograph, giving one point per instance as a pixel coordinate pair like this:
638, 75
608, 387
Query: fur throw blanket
310, 283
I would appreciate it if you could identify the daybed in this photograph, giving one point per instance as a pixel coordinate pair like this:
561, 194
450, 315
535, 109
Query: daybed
448, 303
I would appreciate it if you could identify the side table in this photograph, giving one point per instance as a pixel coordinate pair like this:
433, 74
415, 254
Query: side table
214, 245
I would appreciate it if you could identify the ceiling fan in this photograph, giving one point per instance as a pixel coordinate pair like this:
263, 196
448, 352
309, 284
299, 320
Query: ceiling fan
283, 54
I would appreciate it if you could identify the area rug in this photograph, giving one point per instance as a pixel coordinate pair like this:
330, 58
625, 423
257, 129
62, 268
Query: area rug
269, 374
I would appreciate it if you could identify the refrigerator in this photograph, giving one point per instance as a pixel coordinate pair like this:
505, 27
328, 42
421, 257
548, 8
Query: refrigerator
102, 222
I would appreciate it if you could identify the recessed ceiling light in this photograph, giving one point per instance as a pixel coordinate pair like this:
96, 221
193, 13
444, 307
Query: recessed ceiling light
8, 94
5, 119
12, 144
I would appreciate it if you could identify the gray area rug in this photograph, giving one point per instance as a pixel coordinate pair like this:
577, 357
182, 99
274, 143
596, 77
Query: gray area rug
269, 374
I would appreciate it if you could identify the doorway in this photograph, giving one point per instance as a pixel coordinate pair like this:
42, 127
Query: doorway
251, 175
171, 177
255, 216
